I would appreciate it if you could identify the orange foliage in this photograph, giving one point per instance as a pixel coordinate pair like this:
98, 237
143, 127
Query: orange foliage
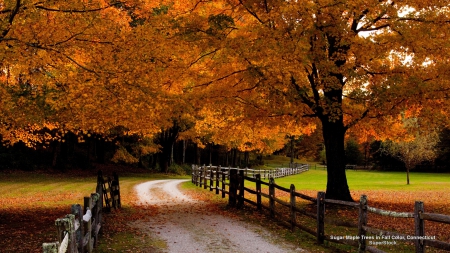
247, 73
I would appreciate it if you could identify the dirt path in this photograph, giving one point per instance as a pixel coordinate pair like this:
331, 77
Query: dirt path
185, 226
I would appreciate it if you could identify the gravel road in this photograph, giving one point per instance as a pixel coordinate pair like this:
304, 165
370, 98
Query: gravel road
185, 225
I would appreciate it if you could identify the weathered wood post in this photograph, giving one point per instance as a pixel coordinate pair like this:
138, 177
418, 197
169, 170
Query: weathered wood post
223, 182
258, 192
362, 221
293, 208
241, 189
211, 178
193, 174
116, 190
99, 187
77, 211
88, 220
65, 226
199, 183
271, 197
96, 224
419, 226
50, 247
217, 179
71, 230
205, 178
320, 217
233, 188
198, 175
100, 206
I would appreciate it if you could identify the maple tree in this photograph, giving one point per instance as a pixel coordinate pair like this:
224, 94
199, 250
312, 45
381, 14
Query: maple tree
248, 73
85, 67
346, 63
419, 147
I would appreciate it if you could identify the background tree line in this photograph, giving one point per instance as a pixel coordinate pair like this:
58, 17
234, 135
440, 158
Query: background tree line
83, 152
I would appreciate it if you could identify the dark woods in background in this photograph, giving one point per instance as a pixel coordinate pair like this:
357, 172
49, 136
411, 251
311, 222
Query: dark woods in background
71, 153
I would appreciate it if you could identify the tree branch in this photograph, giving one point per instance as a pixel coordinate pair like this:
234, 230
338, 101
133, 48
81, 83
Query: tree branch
14, 12
303, 96
202, 56
251, 12
221, 78
41, 7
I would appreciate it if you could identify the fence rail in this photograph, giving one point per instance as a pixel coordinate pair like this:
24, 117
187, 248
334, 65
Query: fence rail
265, 174
78, 231
232, 181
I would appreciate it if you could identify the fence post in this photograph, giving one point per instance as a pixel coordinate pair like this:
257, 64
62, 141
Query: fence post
419, 226
193, 173
223, 183
200, 181
271, 197
116, 190
233, 188
211, 178
241, 189
205, 179
362, 221
99, 188
96, 223
88, 206
320, 217
71, 230
217, 179
258, 191
50, 247
78, 212
100, 206
293, 208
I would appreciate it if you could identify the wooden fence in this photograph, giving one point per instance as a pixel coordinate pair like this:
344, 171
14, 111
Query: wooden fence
265, 174
78, 231
234, 182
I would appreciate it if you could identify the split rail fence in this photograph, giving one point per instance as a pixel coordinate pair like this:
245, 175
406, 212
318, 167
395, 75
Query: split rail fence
234, 182
78, 231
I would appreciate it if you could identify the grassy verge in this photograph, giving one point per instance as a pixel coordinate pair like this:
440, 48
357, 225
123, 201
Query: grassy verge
31, 202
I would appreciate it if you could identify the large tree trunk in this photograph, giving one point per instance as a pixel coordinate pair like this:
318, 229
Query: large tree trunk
333, 135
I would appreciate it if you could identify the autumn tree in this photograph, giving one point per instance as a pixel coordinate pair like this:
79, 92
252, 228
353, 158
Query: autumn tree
87, 67
346, 63
413, 152
248, 72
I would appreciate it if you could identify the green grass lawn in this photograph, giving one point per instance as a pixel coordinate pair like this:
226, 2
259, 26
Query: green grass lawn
370, 180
